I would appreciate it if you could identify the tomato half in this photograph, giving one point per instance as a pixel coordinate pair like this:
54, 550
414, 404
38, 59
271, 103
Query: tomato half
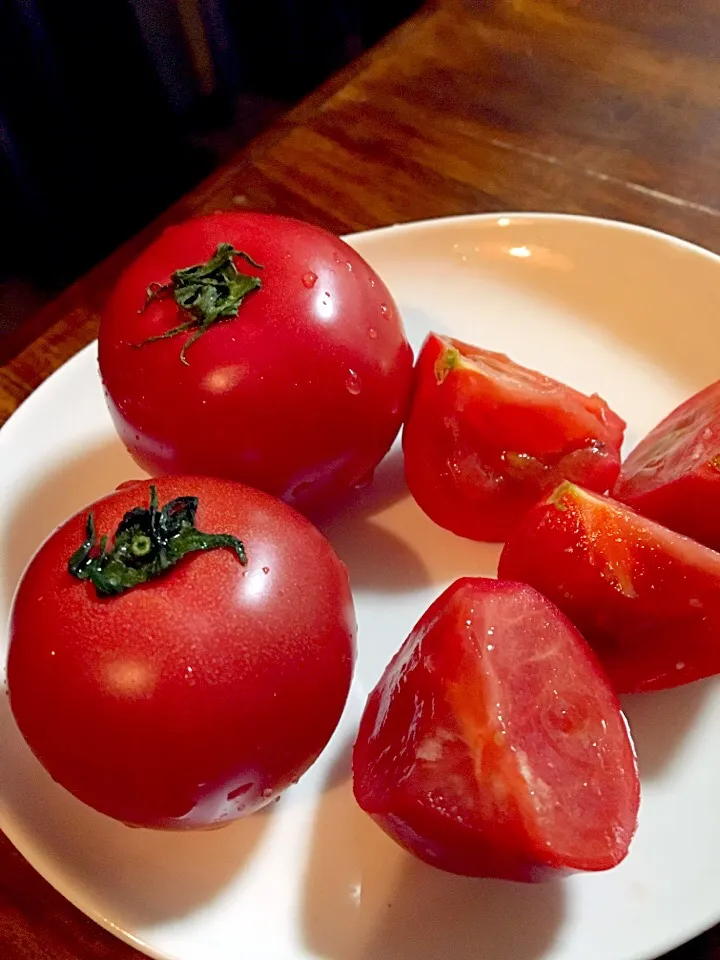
645, 598
494, 745
299, 390
673, 475
485, 438
201, 694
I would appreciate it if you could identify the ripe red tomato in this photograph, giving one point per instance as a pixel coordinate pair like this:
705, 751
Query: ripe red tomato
673, 475
300, 394
494, 745
485, 439
645, 598
198, 696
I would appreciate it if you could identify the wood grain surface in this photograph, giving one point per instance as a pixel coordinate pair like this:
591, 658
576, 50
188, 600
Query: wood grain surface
604, 107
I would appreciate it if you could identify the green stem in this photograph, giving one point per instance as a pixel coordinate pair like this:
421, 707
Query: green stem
148, 542
209, 292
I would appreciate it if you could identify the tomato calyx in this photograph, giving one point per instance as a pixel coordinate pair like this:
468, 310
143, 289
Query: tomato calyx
210, 292
448, 360
148, 542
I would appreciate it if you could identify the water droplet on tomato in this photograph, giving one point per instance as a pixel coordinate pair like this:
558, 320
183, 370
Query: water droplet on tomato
385, 310
349, 266
372, 333
353, 384
309, 279
266, 794
372, 282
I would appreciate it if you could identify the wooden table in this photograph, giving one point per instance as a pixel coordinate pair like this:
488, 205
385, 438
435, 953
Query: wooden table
604, 107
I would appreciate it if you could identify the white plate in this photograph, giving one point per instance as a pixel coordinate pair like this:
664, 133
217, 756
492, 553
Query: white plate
607, 307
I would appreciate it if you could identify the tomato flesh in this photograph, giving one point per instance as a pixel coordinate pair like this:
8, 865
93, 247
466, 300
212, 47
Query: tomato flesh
301, 394
485, 438
646, 598
494, 745
201, 695
673, 475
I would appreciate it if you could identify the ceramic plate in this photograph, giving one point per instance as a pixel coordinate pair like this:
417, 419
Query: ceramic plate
607, 307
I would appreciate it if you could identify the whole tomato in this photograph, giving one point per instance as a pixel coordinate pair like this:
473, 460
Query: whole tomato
290, 372
195, 666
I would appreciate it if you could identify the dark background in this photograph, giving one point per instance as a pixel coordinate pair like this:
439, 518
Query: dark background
112, 109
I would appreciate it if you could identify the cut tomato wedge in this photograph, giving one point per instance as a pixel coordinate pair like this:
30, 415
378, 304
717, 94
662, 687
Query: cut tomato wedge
673, 475
486, 439
646, 598
494, 744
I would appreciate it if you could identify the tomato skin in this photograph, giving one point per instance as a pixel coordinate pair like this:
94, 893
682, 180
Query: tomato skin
200, 696
494, 745
300, 395
673, 474
645, 598
486, 439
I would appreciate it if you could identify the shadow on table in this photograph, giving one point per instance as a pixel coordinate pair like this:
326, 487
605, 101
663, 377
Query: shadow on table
366, 899
61, 491
148, 876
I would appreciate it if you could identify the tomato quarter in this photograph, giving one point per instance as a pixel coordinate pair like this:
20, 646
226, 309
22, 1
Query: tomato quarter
673, 475
292, 373
645, 598
485, 438
199, 695
494, 745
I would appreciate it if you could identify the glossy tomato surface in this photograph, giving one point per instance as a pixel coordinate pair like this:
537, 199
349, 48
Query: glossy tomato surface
301, 394
494, 745
673, 475
647, 599
199, 696
485, 438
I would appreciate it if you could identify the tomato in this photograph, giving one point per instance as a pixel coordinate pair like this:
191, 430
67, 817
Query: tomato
299, 390
647, 599
485, 439
494, 745
199, 695
673, 475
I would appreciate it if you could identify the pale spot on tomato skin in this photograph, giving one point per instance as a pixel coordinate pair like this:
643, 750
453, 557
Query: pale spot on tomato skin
132, 679
223, 379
